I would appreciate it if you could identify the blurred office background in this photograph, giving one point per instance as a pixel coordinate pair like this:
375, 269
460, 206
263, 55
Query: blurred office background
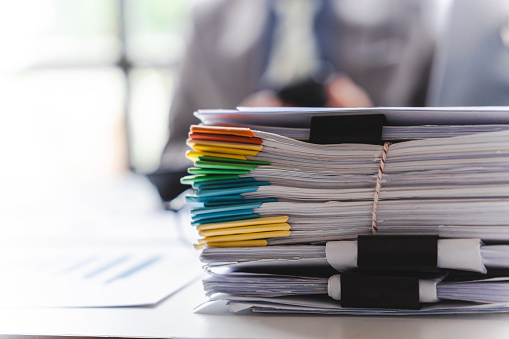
85, 85
85, 90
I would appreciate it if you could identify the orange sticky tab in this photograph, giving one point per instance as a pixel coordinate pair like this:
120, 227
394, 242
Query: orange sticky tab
227, 138
245, 243
240, 131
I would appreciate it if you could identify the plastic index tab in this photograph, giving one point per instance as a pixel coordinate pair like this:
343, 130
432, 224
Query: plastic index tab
349, 129
238, 131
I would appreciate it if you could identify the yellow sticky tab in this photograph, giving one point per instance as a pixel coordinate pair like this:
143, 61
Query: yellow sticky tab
247, 236
224, 150
248, 229
224, 144
245, 222
246, 243
193, 155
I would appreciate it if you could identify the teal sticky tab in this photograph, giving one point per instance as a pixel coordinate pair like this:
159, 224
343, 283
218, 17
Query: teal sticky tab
252, 162
226, 208
198, 171
229, 198
204, 216
195, 201
226, 191
223, 203
224, 165
225, 219
215, 182
233, 185
196, 204
216, 203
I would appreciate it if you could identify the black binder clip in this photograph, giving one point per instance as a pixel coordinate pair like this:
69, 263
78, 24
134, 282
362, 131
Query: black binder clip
397, 253
342, 129
376, 291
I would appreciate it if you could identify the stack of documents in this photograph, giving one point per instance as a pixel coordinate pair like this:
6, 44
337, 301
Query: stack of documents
267, 198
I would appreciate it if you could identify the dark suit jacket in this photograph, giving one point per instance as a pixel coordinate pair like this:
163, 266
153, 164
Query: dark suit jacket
384, 46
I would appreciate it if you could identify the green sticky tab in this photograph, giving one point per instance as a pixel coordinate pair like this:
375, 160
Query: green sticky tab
194, 170
224, 165
252, 162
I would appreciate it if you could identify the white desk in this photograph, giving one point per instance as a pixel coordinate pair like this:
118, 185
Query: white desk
175, 318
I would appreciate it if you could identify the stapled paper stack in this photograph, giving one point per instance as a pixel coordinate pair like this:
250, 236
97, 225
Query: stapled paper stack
264, 200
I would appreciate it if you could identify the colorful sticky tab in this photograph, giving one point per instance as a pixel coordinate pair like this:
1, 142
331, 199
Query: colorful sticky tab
229, 202
205, 218
247, 236
245, 222
226, 208
195, 170
245, 229
225, 150
251, 215
245, 243
224, 137
233, 197
233, 185
223, 144
194, 155
226, 191
240, 131
252, 162
224, 165
193, 179
205, 184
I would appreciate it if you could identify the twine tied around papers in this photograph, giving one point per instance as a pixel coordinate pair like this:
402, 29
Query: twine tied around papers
378, 186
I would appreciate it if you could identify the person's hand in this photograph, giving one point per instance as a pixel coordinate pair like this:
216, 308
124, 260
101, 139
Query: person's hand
343, 92
340, 91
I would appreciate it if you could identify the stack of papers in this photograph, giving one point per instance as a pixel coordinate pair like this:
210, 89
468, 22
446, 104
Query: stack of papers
304, 294
265, 197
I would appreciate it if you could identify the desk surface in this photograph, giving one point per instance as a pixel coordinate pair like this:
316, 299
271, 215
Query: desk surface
175, 318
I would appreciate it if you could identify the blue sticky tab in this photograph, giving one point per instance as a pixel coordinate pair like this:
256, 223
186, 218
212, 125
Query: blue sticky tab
225, 219
226, 208
220, 214
226, 191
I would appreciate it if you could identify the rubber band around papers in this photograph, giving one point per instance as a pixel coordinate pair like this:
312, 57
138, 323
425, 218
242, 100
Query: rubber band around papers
378, 186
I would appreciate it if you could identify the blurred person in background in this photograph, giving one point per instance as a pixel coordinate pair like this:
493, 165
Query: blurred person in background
337, 53
471, 67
